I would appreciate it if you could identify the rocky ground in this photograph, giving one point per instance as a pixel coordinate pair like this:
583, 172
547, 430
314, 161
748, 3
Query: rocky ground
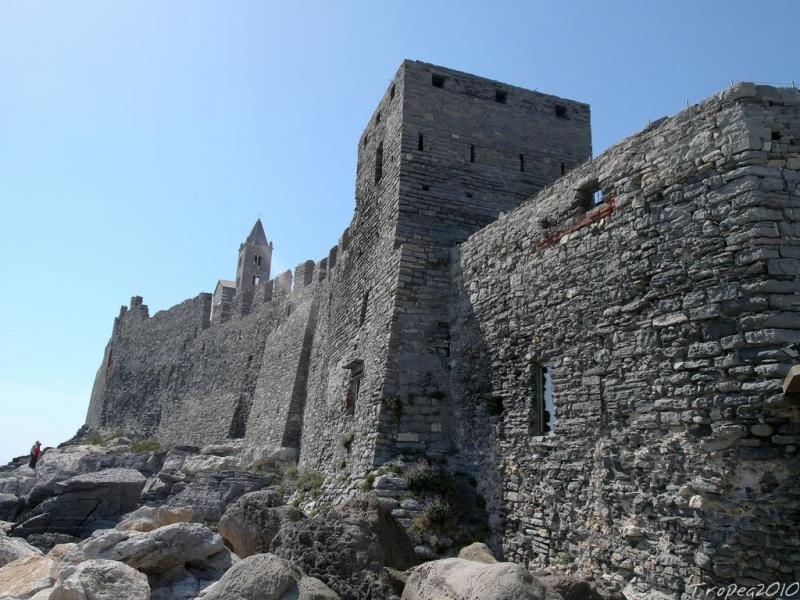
113, 518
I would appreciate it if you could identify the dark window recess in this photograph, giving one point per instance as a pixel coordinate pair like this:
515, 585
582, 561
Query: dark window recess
776, 135
543, 405
379, 162
590, 195
437, 80
249, 359
561, 111
472, 154
495, 406
420, 143
378, 118
500, 96
353, 385
425, 187
522, 162
391, 92
469, 194
563, 168
257, 259
364, 304
256, 279
366, 140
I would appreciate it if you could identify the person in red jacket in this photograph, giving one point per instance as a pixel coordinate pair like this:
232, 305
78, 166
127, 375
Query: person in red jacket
36, 452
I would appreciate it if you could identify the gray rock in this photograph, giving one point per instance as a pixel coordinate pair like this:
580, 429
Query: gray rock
103, 580
261, 576
469, 580
156, 552
252, 521
83, 503
13, 548
394, 546
10, 505
477, 552
311, 588
571, 588
209, 494
27, 576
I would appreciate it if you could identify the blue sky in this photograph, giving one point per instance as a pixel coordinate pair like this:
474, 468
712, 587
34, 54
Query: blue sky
140, 140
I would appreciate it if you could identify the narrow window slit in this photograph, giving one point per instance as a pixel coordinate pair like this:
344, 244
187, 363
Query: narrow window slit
420, 143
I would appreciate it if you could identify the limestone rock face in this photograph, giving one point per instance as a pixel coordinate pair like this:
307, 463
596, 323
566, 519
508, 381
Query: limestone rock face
10, 505
456, 578
103, 580
84, 503
13, 548
267, 577
477, 552
394, 546
26, 576
339, 549
252, 521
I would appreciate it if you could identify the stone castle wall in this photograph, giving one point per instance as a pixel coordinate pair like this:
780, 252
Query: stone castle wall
662, 315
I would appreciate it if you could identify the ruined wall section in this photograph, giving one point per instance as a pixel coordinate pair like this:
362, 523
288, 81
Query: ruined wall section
472, 149
662, 315
179, 378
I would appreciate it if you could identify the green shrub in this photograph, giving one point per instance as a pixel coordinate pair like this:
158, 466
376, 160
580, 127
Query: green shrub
368, 481
309, 481
437, 512
149, 445
423, 477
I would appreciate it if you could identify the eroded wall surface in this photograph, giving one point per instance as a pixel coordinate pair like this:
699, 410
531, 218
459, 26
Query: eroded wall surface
662, 315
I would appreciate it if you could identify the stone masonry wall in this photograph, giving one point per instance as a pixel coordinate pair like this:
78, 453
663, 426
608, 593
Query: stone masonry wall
662, 315
176, 377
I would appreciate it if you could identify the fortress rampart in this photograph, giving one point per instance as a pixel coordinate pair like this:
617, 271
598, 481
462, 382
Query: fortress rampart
600, 342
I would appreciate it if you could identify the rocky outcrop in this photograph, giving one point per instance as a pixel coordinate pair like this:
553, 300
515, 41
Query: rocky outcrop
12, 549
477, 552
341, 550
267, 577
102, 580
455, 578
393, 544
84, 503
252, 521
210, 493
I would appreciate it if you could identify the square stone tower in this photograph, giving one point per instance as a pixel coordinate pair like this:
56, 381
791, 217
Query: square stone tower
444, 154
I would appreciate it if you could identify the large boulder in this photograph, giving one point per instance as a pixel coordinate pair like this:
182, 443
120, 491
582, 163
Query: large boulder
147, 518
10, 505
267, 577
456, 578
102, 580
393, 544
477, 552
26, 576
155, 552
209, 494
13, 548
339, 549
252, 521
571, 588
81, 504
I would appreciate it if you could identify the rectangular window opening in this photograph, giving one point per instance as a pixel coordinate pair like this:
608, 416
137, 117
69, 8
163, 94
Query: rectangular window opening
420, 143
257, 259
776, 136
425, 187
500, 96
378, 118
563, 168
522, 162
379, 162
256, 279
590, 195
437, 80
561, 111
472, 154
391, 92
543, 403
364, 305
353, 385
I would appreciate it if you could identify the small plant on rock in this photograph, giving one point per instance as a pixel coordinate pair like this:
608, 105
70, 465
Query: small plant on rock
148, 445
369, 480
347, 440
